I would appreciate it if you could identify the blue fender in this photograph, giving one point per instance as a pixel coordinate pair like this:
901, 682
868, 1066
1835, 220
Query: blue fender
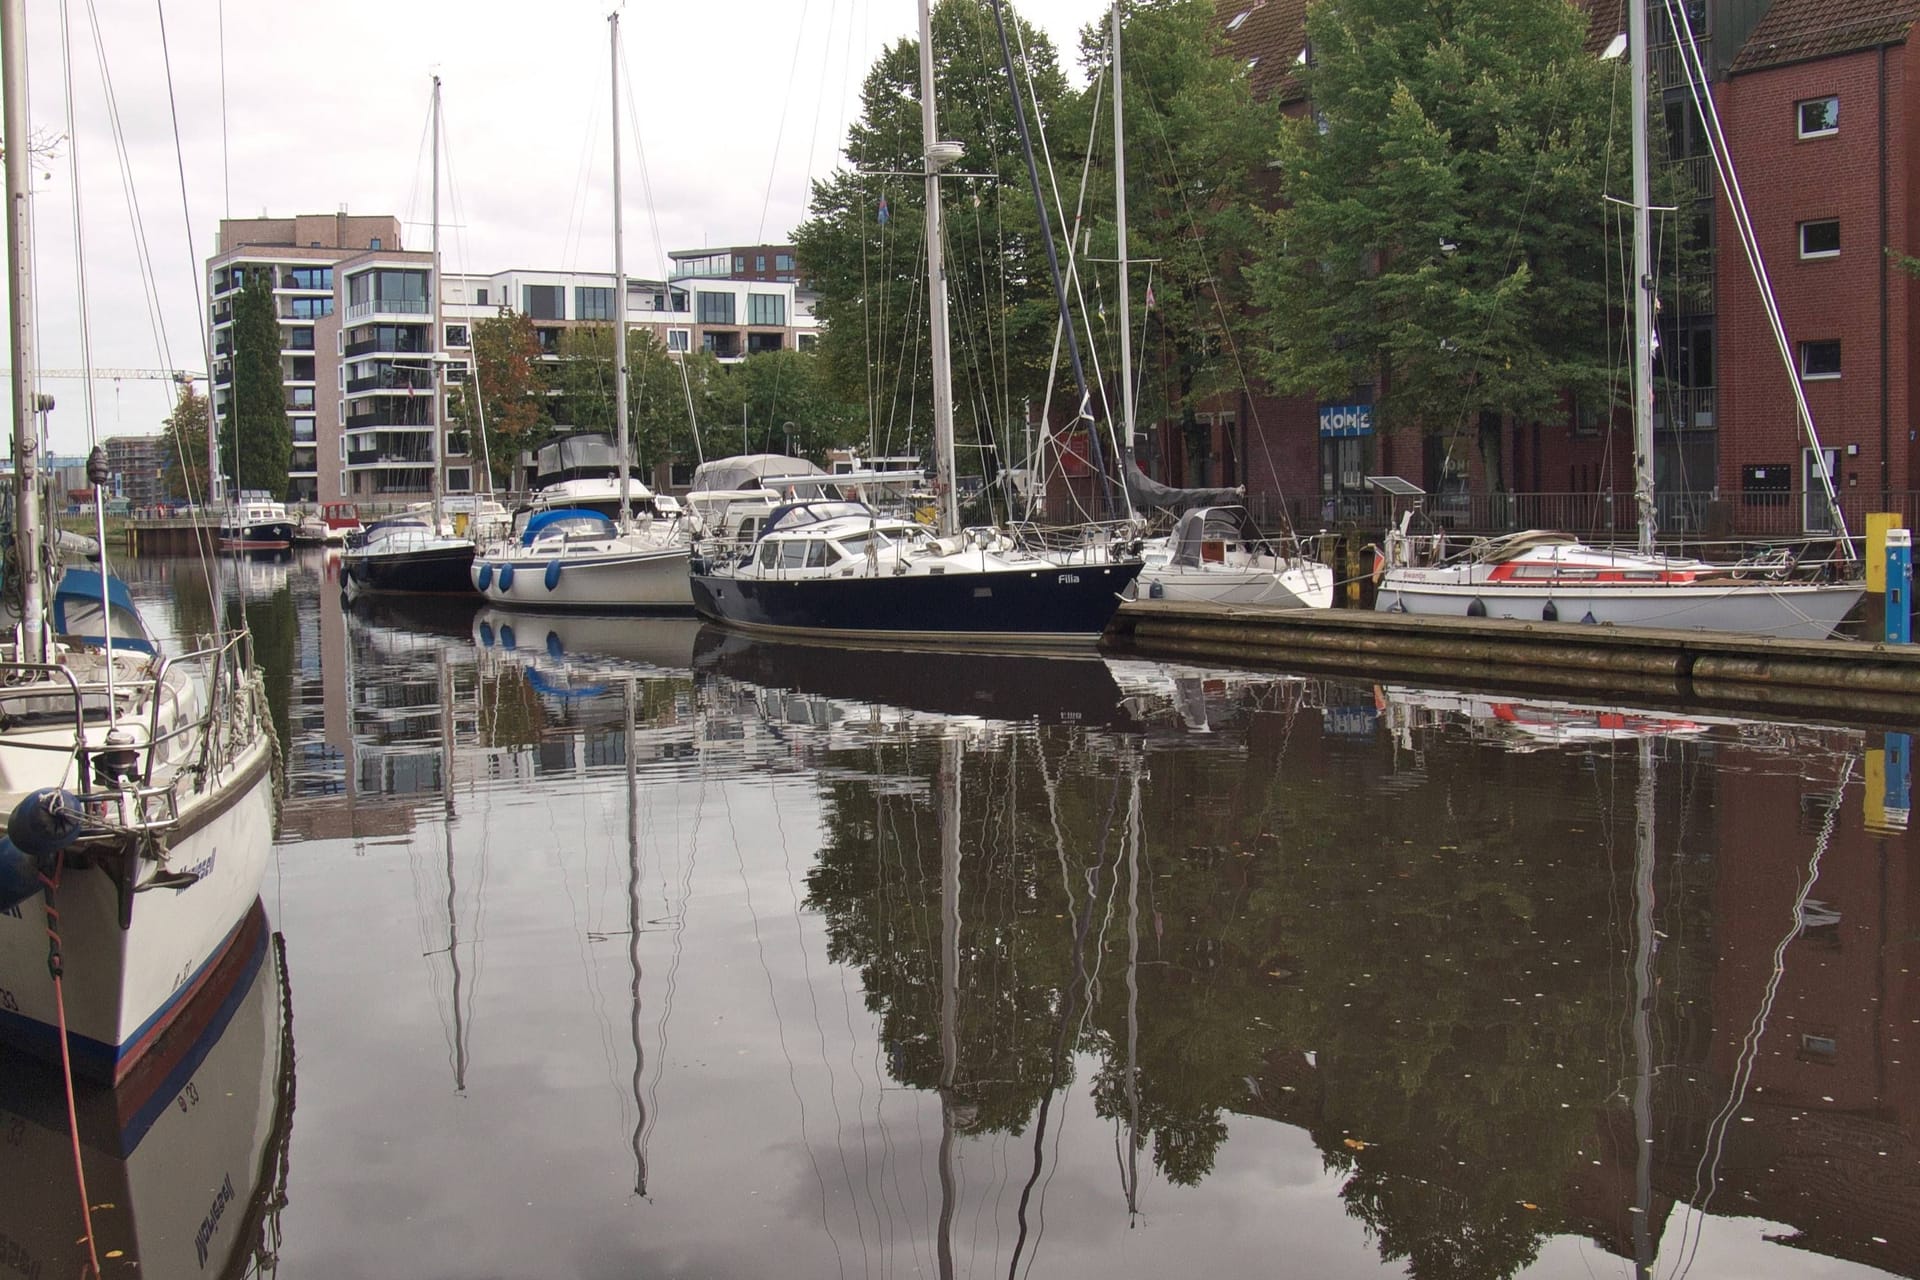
484, 578
506, 577
553, 575
506, 636
19, 876
486, 635
45, 822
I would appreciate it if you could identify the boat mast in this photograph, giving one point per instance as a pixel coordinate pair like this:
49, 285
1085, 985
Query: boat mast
26, 400
937, 155
1642, 282
433, 342
1125, 450
619, 288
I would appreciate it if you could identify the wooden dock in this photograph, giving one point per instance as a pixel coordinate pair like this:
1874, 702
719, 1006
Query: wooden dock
1859, 681
184, 536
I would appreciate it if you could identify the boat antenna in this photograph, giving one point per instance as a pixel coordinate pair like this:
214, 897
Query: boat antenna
26, 400
1098, 455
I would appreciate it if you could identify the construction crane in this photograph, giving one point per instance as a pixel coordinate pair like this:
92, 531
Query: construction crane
104, 374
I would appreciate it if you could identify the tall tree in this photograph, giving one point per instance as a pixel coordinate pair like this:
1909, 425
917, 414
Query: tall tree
1197, 144
862, 246
185, 431
1443, 236
257, 447
508, 389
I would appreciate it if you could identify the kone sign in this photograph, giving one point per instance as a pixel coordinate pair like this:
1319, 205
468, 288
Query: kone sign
1343, 420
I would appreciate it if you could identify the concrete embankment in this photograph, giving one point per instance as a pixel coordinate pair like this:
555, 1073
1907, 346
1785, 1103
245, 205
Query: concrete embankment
1863, 682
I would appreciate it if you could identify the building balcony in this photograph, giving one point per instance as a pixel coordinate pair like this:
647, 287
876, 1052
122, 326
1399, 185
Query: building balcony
388, 458
1697, 173
410, 419
222, 314
1684, 409
388, 307
376, 346
405, 383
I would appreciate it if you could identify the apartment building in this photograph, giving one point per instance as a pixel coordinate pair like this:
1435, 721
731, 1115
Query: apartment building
139, 466
768, 263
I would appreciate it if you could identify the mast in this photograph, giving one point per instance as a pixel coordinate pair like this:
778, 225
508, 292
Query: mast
1642, 281
1643, 990
937, 155
26, 400
433, 342
619, 289
1120, 219
949, 991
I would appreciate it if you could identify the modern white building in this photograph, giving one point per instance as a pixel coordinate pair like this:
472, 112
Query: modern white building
358, 350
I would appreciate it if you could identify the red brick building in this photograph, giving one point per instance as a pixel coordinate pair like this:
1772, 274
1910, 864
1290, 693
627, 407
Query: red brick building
1826, 195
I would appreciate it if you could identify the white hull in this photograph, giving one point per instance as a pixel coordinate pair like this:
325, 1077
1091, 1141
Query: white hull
646, 579
1786, 610
1303, 586
123, 985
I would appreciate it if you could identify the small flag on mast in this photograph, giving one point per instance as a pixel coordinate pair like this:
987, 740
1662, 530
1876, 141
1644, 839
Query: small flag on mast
885, 213
1149, 297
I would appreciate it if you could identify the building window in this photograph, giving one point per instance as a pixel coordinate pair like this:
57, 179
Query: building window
459, 479
1820, 239
715, 308
1819, 117
739, 262
457, 335
300, 339
679, 339
806, 341
766, 308
309, 308
312, 278
374, 243
783, 262
544, 301
593, 304
759, 262
1820, 359
480, 297
300, 398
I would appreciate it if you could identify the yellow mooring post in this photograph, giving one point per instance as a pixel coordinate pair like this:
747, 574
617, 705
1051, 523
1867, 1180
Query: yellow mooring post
1878, 522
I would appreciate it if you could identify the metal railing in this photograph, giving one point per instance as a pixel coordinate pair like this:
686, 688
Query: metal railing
387, 307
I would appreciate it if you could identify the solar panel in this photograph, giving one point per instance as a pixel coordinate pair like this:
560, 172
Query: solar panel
1396, 486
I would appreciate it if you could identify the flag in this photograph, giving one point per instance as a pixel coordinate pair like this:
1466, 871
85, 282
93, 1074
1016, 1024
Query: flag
1149, 297
885, 213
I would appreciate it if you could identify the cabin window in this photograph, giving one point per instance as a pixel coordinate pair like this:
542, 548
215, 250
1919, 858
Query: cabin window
769, 554
821, 555
1819, 117
793, 553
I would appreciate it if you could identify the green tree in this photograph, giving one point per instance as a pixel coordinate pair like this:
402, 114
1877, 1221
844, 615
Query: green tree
1443, 233
1197, 144
256, 449
508, 388
186, 434
785, 401
870, 270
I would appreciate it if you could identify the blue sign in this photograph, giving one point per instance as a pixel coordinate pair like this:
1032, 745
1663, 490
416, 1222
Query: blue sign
1341, 420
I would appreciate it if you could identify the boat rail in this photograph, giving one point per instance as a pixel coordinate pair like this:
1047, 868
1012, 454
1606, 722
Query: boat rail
140, 800
1097, 541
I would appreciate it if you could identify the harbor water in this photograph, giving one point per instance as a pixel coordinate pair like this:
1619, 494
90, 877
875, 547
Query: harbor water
633, 947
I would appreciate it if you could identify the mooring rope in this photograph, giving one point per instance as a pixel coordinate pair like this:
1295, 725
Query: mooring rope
56, 968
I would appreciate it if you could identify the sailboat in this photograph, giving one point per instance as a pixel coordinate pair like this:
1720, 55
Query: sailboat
137, 783
570, 555
840, 568
417, 553
1543, 575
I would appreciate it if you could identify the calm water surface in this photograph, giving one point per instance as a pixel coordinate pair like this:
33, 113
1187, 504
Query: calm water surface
632, 948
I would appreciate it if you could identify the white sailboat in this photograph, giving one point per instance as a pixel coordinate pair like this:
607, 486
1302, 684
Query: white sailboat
575, 557
137, 784
1542, 575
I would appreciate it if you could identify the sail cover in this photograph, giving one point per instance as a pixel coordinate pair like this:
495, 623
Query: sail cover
1148, 494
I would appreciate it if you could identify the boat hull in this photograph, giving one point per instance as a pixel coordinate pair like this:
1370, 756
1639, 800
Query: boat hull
123, 987
1296, 587
633, 581
1786, 610
1042, 605
260, 535
433, 571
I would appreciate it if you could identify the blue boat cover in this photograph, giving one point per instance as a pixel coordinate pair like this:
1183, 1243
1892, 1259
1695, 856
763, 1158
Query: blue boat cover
76, 611
544, 519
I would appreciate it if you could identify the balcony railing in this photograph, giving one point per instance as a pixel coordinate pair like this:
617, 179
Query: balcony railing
1684, 409
420, 421
1697, 173
387, 458
372, 346
388, 307
402, 382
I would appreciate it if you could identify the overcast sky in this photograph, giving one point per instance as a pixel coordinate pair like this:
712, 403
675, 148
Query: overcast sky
738, 101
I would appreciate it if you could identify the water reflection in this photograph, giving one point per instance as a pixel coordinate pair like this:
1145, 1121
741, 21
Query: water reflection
186, 1164
862, 962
